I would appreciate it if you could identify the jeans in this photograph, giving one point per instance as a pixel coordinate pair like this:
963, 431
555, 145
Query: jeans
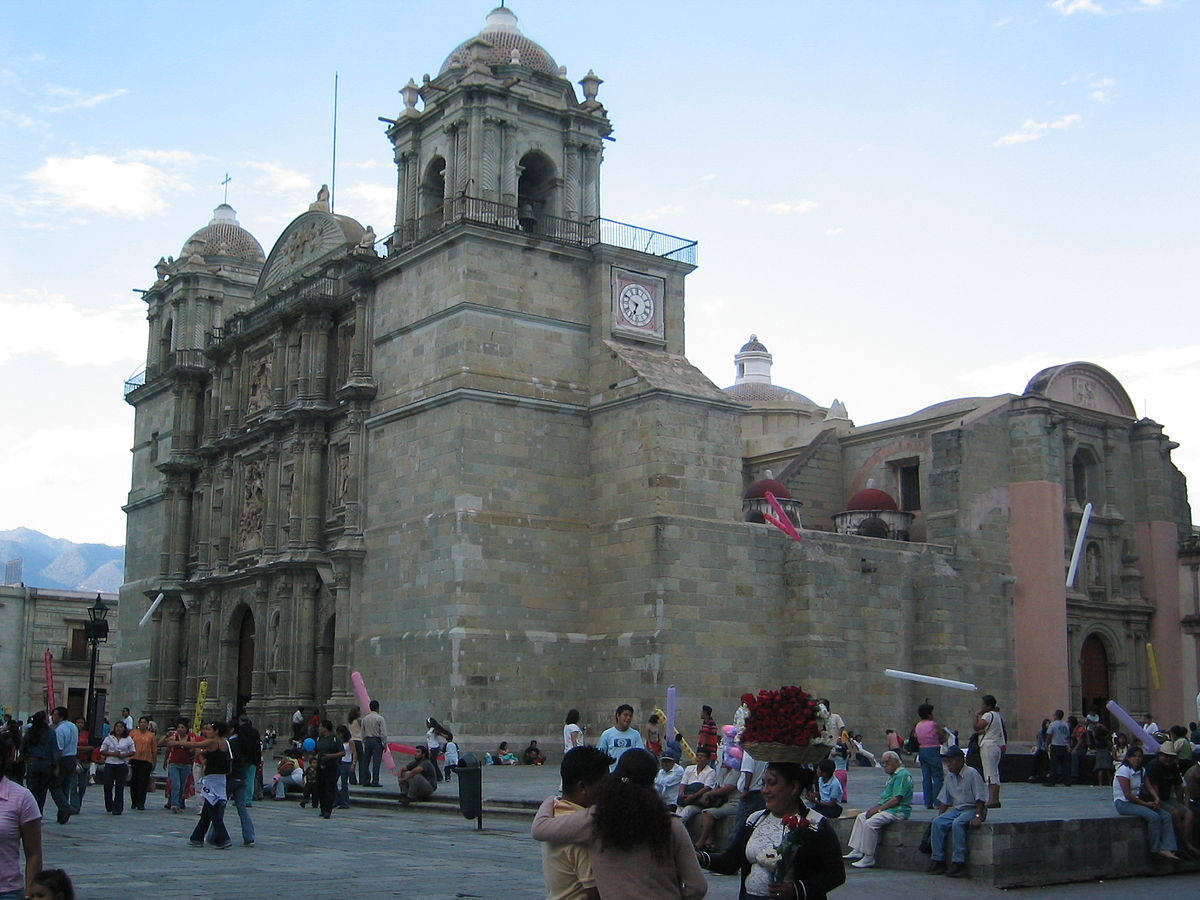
83, 774
251, 774
236, 788
177, 776
358, 747
39, 778
1058, 764
139, 782
1076, 762
345, 769
212, 814
931, 774
115, 775
1160, 833
449, 770
955, 820
370, 761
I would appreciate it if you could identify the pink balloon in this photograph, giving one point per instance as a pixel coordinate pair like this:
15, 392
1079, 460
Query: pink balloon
364, 705
402, 748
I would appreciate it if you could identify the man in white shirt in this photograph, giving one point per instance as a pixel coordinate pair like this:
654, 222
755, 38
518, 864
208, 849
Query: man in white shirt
668, 779
698, 780
374, 737
962, 804
128, 719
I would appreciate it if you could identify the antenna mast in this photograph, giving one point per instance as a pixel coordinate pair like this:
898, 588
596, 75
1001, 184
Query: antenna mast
333, 173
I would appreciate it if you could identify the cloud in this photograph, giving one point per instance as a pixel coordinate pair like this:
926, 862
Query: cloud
1031, 130
106, 184
278, 179
665, 211
46, 326
1070, 7
371, 204
1101, 89
1000, 23
74, 99
779, 208
834, 232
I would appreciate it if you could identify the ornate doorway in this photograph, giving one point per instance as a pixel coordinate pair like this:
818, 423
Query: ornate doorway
245, 661
1093, 668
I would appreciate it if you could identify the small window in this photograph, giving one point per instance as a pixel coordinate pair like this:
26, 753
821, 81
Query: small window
908, 483
78, 649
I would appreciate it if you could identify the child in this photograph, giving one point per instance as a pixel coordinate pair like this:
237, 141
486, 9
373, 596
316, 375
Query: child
451, 756
827, 798
310, 783
51, 884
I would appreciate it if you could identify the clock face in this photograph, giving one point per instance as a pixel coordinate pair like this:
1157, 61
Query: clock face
637, 305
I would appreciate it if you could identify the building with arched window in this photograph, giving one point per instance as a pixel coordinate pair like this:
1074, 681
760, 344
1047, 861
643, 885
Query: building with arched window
471, 461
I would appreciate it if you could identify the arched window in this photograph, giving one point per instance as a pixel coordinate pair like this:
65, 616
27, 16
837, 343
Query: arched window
164, 345
433, 186
536, 189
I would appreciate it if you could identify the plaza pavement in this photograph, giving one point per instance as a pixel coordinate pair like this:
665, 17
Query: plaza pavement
419, 853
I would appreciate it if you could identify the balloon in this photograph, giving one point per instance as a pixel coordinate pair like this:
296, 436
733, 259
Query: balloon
403, 748
309, 745
727, 730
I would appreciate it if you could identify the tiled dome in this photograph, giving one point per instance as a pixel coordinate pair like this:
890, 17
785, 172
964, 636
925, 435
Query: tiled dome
760, 488
223, 236
748, 391
502, 32
872, 499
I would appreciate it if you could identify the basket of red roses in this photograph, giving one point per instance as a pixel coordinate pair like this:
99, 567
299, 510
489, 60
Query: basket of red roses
787, 725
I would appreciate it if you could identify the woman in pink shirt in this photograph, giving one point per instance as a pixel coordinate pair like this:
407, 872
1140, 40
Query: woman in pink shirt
929, 742
20, 826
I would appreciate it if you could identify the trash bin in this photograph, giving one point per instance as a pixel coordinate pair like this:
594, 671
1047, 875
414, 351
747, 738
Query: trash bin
470, 789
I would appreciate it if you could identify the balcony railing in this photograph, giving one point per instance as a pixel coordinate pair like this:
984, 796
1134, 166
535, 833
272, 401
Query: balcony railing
572, 232
134, 382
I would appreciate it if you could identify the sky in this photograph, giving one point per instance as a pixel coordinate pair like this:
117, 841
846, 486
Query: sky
905, 201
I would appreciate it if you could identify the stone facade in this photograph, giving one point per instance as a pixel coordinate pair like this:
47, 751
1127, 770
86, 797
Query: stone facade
35, 620
472, 462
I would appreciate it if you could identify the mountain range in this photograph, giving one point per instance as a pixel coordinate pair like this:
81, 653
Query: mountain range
55, 563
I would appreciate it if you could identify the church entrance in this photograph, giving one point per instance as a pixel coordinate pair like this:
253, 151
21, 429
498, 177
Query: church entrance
245, 660
1093, 669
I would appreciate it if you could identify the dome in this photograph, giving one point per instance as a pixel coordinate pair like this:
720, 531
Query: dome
760, 488
223, 236
751, 391
871, 498
501, 31
753, 344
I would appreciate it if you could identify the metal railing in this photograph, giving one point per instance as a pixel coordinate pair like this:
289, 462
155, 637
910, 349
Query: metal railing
134, 382
572, 232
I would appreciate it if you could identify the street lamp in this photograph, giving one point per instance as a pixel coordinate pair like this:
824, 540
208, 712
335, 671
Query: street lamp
96, 632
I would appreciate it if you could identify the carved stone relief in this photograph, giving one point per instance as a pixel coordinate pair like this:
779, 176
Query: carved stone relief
251, 524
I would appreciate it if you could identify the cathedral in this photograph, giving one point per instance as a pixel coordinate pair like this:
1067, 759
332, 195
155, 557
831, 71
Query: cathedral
471, 461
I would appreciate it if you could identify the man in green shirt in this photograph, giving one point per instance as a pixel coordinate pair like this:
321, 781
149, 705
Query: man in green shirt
895, 804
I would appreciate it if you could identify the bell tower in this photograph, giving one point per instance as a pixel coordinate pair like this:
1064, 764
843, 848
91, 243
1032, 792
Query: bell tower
500, 136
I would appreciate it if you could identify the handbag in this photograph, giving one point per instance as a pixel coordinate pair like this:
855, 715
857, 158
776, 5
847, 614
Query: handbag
973, 744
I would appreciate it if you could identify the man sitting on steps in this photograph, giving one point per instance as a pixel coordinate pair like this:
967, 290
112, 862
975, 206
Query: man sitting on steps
962, 804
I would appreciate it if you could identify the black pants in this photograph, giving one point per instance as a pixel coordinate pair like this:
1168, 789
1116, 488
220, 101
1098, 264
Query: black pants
212, 815
327, 779
114, 786
1059, 762
139, 782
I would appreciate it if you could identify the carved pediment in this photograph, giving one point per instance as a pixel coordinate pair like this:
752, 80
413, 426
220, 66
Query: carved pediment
1083, 384
311, 238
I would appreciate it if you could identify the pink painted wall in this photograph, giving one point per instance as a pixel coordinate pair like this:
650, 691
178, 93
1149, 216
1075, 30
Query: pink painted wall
1158, 552
1039, 602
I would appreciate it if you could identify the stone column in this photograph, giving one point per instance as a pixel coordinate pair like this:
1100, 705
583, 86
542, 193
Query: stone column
304, 640
508, 164
450, 177
351, 502
296, 506
320, 351
203, 504
313, 505
258, 681
343, 633
571, 179
591, 182
462, 162
270, 534
489, 164
402, 176
358, 355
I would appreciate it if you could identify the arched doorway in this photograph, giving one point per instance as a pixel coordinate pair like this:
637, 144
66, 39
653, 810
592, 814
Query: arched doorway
245, 661
1093, 675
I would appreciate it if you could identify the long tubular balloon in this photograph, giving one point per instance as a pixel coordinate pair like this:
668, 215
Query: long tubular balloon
1153, 660
688, 752
929, 679
671, 700
364, 704
150, 611
48, 659
780, 520
1083, 524
403, 748
1135, 729
199, 713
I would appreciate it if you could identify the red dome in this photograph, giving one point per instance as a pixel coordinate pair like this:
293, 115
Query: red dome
760, 488
871, 498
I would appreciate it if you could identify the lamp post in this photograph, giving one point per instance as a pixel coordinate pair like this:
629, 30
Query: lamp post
96, 632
